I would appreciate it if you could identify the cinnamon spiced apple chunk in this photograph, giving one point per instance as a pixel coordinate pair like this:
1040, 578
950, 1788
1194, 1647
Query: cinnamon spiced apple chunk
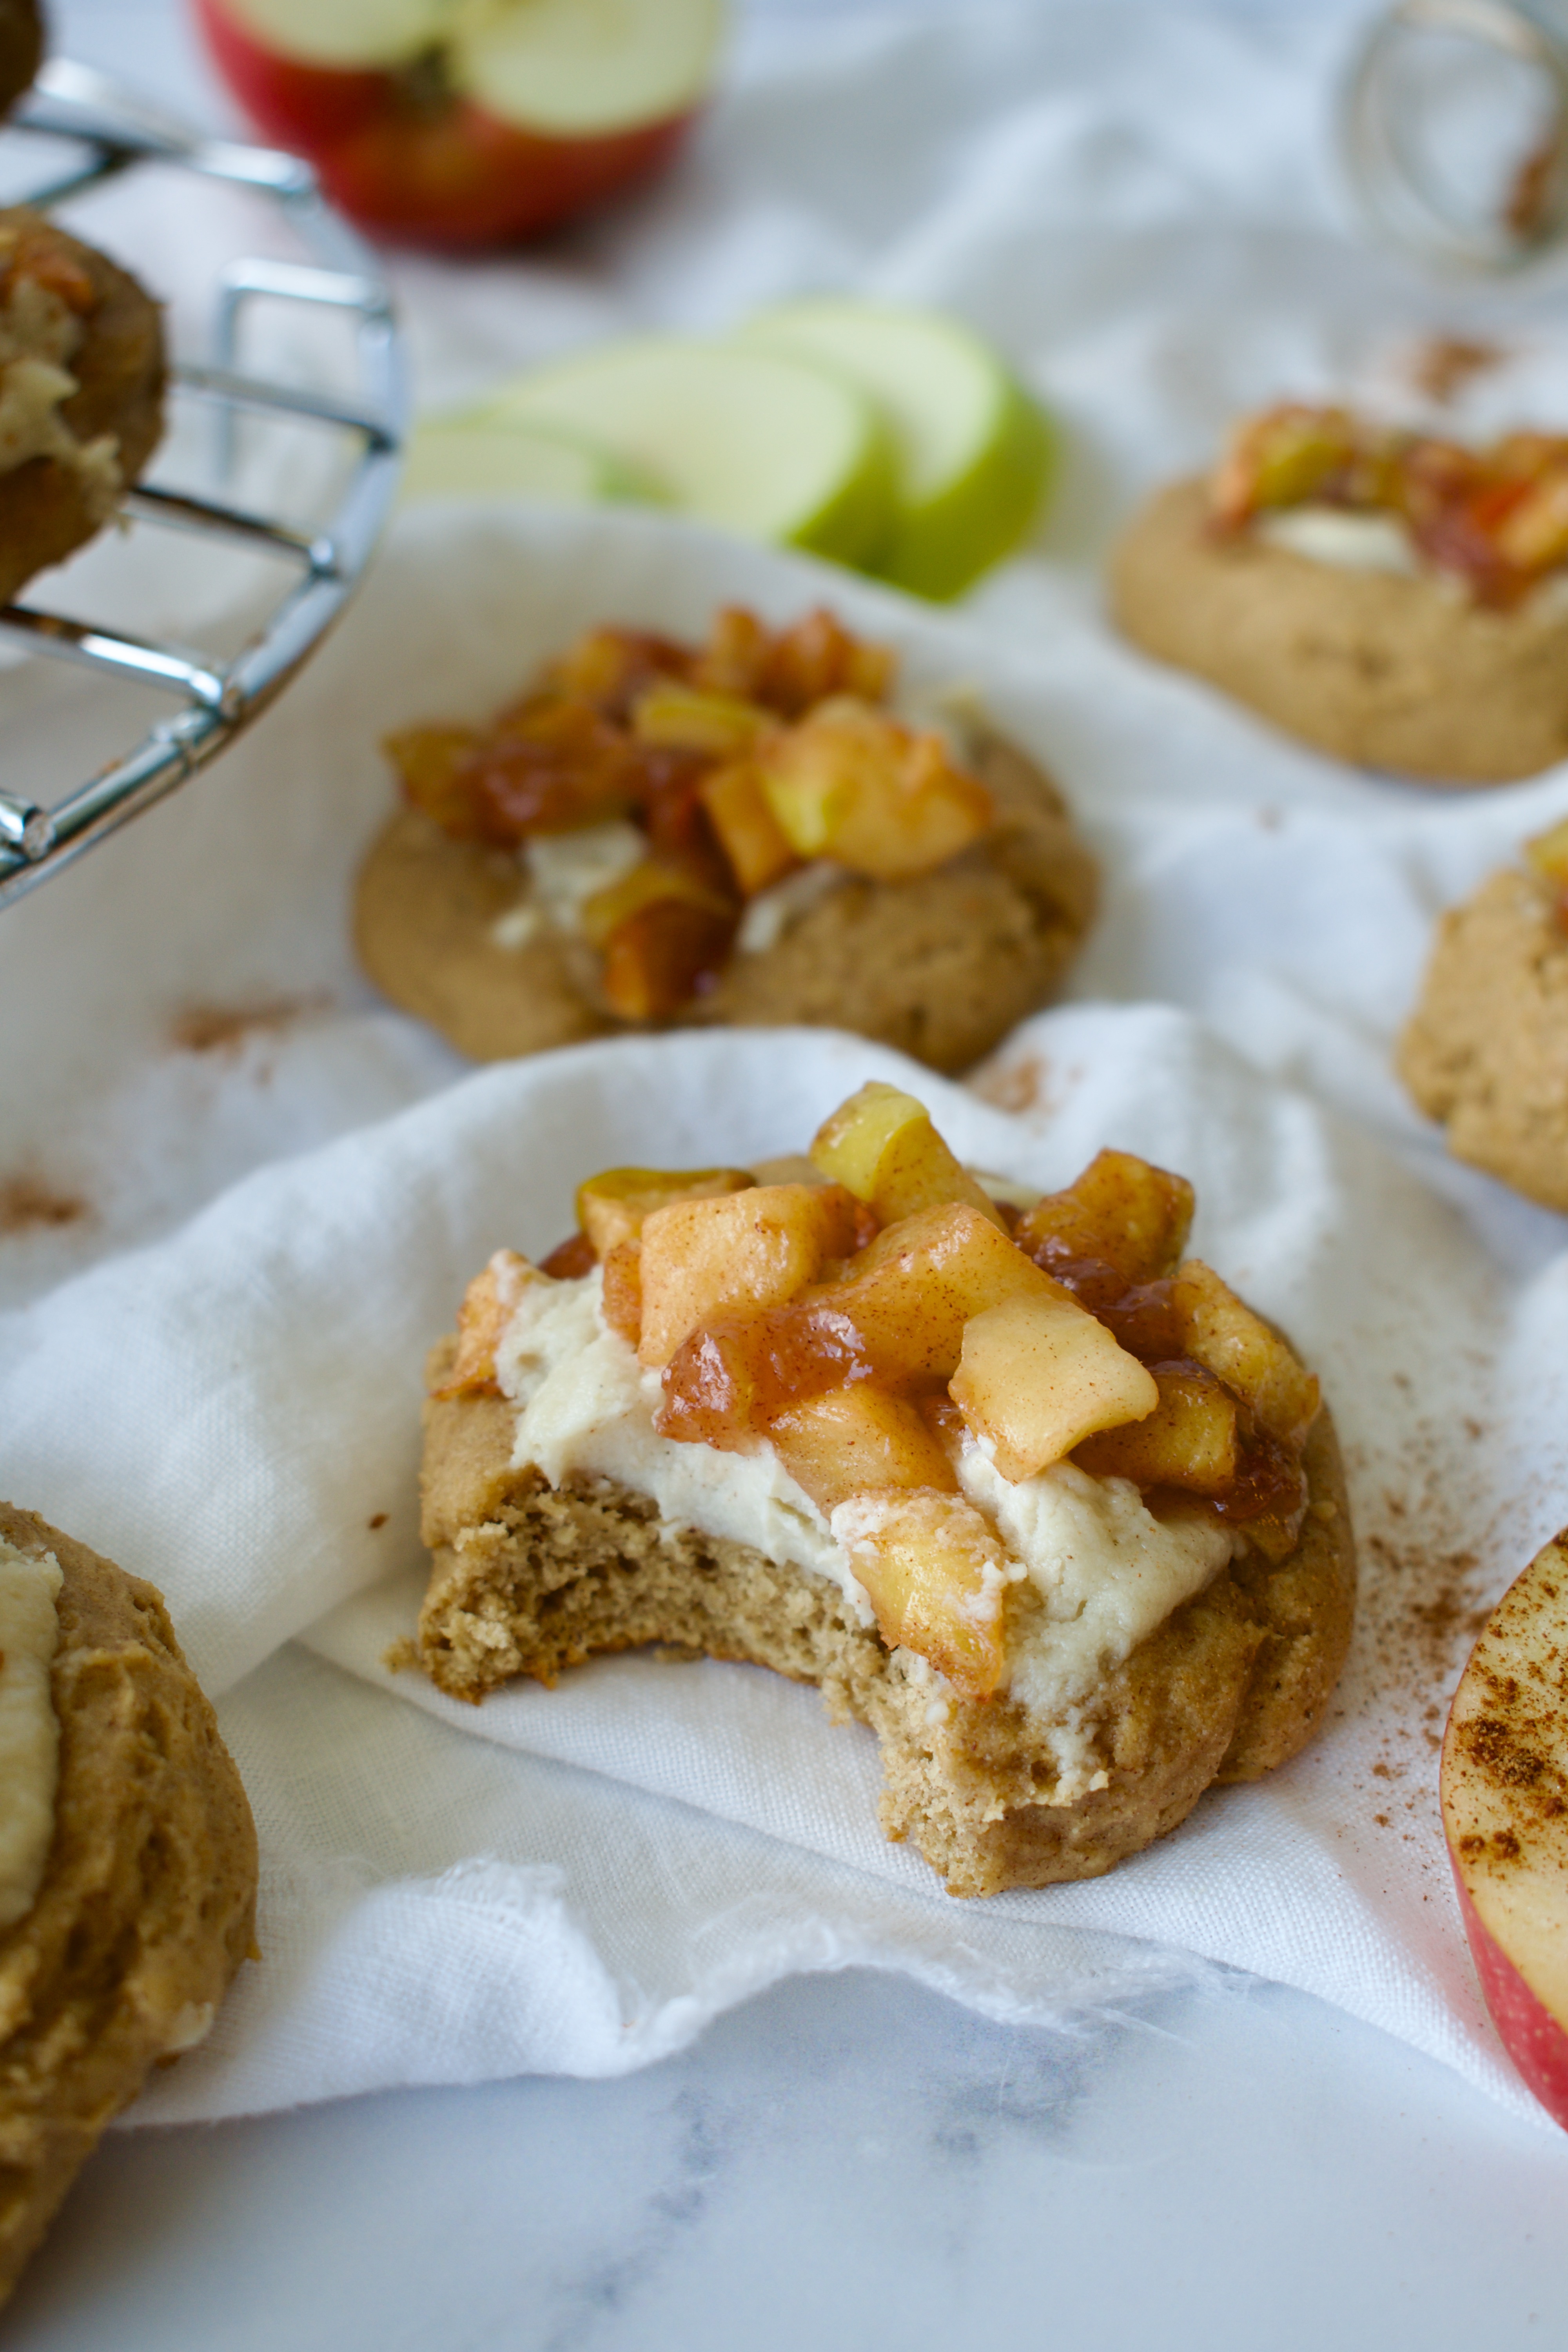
746, 831
1031, 1493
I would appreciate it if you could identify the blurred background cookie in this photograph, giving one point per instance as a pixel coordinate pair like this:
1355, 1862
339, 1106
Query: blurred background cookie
661, 835
127, 1862
1486, 1050
81, 391
1395, 599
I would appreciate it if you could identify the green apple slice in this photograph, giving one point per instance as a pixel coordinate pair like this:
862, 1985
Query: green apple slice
578, 69
973, 450
364, 36
757, 441
468, 457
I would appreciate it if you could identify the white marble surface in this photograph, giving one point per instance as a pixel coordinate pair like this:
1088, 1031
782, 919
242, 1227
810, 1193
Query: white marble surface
846, 2161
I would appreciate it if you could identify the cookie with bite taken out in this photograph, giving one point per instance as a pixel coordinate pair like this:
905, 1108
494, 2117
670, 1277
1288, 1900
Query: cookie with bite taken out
1013, 1480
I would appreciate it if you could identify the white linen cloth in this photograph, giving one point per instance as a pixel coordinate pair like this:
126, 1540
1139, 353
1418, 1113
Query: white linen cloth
216, 1381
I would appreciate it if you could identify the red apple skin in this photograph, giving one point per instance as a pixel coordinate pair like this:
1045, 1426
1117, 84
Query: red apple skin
1504, 1788
1530, 2033
442, 174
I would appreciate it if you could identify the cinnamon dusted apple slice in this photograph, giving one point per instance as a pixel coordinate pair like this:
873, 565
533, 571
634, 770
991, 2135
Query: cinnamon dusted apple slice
935, 1575
882, 1145
1189, 1440
1038, 1375
1504, 1784
1221, 1332
886, 800
488, 1304
613, 1205
911, 1294
1121, 1212
701, 1259
850, 1441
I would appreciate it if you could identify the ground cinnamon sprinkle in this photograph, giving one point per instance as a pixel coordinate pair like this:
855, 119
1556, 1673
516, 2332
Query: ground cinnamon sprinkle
29, 1204
223, 1029
1425, 1543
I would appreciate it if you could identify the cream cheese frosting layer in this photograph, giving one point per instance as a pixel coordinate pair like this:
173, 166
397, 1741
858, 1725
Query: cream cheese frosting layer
1090, 1570
29, 1730
1346, 542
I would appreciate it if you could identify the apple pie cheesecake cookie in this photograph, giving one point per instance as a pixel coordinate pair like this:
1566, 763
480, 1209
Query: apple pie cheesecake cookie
1393, 598
1014, 1482
742, 832
127, 1862
1486, 1050
81, 391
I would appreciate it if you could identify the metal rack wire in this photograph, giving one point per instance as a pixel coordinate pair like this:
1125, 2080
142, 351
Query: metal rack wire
115, 132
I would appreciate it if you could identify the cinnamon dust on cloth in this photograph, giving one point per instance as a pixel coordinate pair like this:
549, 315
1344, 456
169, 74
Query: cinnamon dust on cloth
215, 1377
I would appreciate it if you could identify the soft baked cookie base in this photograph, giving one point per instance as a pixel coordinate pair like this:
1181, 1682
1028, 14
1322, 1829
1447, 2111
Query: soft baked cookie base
527, 1580
148, 1900
1385, 671
45, 514
1486, 1050
941, 966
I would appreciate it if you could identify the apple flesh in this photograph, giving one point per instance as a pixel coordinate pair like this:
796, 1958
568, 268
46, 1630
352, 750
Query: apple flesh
472, 127
1504, 1785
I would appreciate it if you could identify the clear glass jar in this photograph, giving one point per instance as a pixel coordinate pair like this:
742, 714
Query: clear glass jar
1454, 129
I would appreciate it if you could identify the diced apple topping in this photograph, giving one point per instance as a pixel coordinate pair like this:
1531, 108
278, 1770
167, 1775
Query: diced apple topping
749, 834
849, 1441
620, 1300
1547, 854
644, 885
681, 718
658, 958
488, 1304
1038, 1375
612, 1205
935, 1575
683, 742
912, 1293
1223, 1333
778, 1314
1496, 518
881, 1145
1189, 1440
702, 1259
885, 800
1122, 1212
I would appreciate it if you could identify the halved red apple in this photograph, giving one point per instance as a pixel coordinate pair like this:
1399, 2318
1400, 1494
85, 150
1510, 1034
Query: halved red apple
466, 122
1505, 1815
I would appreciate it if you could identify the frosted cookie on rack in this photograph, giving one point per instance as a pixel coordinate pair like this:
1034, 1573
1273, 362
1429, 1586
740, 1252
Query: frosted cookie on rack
127, 1862
81, 391
21, 49
1013, 1480
1395, 599
1486, 1050
744, 830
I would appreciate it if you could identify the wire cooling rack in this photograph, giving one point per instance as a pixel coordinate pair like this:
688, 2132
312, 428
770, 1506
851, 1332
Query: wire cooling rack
107, 133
